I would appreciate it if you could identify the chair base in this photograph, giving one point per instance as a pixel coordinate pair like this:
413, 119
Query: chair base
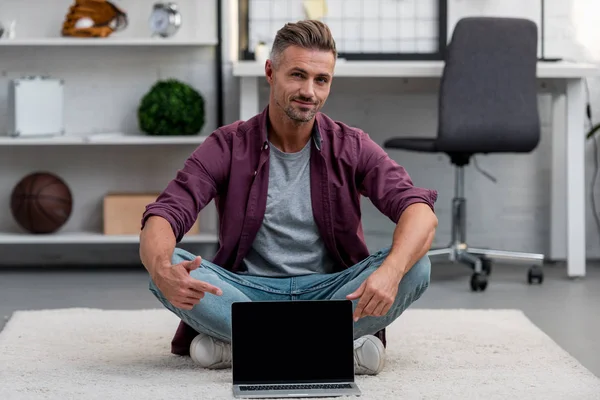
480, 260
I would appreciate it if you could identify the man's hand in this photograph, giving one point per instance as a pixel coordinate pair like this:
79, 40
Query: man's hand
179, 288
377, 293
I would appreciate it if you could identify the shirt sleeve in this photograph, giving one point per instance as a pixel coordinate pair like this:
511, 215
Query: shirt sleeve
387, 184
202, 177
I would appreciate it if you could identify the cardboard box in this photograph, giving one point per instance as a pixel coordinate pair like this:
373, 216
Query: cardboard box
123, 213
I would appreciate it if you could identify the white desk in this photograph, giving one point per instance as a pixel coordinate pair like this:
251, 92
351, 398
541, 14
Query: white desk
567, 232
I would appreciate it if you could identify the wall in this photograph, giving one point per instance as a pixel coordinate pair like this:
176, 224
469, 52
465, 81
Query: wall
106, 84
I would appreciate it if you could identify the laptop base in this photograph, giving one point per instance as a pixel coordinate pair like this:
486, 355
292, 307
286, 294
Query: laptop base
279, 391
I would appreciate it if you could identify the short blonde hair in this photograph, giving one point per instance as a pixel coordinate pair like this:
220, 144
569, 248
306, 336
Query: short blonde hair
308, 34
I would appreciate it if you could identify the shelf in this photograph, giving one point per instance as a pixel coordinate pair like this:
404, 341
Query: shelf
109, 41
118, 138
9, 141
102, 139
90, 238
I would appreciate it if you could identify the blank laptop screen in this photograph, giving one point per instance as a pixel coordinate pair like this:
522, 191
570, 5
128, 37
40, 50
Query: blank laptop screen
292, 342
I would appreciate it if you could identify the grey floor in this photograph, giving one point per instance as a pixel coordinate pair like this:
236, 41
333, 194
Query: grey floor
567, 310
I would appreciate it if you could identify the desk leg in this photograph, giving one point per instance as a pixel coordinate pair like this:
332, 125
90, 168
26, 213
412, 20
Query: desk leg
249, 97
575, 166
558, 204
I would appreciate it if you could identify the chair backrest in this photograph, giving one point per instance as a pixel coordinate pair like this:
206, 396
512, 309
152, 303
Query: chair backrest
488, 93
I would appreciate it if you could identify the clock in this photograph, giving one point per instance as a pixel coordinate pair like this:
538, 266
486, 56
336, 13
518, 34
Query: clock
165, 19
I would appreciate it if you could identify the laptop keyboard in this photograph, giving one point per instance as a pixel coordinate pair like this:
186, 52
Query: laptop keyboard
297, 387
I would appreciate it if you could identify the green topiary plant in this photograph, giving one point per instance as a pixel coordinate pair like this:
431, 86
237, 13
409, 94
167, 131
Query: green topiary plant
171, 107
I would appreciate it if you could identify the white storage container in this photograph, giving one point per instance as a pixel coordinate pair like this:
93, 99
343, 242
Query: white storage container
36, 107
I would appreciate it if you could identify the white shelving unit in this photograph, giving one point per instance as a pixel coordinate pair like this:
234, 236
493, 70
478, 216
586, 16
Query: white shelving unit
103, 139
109, 41
90, 238
97, 82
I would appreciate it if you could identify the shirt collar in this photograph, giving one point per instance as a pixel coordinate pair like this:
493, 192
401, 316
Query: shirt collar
264, 121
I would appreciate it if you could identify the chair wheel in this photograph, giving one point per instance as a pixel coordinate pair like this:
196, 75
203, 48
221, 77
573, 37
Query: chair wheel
478, 282
486, 266
535, 274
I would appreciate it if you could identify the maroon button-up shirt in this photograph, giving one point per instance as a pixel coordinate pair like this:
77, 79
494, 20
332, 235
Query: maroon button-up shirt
231, 167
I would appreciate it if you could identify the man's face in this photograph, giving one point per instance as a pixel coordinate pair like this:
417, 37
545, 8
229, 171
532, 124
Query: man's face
300, 84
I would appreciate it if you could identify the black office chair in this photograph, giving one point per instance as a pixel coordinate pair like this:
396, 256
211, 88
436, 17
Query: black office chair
487, 104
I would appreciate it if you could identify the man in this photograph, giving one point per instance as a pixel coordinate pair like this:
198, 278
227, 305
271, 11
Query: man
287, 186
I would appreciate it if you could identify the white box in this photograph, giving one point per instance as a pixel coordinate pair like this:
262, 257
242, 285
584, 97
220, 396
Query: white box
36, 106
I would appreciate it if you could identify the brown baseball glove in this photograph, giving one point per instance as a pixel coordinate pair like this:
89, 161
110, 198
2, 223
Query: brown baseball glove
93, 18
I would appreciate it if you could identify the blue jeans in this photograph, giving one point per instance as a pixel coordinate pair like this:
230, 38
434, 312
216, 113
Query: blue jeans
212, 314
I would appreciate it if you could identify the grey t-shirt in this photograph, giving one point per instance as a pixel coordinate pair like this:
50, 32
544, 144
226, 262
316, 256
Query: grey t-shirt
288, 241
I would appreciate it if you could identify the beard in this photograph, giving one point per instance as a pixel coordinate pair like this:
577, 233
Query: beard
298, 113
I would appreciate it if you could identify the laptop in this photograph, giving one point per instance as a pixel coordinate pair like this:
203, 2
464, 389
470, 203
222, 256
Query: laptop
299, 348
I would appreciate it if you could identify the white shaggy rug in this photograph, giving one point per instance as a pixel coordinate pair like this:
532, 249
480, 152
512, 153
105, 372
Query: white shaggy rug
432, 354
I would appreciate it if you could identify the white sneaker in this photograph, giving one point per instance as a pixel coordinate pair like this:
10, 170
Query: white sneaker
369, 355
210, 352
